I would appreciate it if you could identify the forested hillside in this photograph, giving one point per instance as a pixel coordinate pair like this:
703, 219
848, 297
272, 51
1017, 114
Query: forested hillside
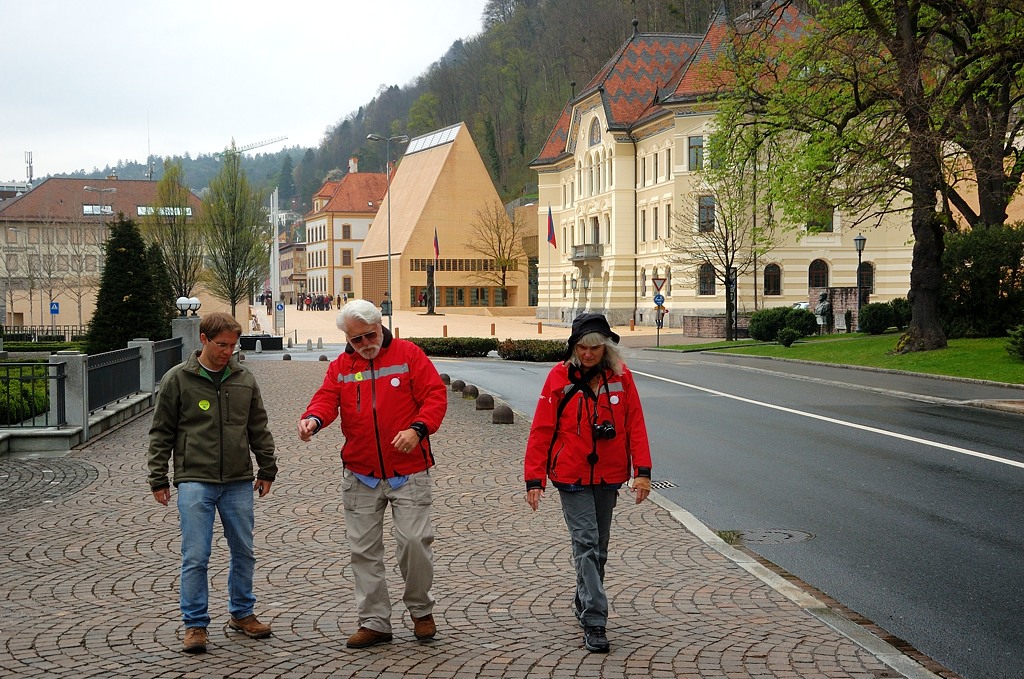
509, 83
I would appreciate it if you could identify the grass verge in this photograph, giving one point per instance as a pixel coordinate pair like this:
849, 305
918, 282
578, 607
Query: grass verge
982, 359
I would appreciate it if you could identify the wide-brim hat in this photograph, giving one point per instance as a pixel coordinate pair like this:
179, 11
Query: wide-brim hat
583, 325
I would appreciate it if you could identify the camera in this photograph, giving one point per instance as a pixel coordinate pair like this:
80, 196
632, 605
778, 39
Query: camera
603, 431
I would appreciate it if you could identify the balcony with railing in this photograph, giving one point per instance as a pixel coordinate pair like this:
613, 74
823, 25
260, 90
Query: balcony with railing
582, 253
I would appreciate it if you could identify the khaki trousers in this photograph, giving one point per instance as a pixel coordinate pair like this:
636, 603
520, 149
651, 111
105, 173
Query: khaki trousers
414, 534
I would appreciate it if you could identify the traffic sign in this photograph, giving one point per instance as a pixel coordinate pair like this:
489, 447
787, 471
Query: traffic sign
280, 306
54, 308
659, 299
658, 282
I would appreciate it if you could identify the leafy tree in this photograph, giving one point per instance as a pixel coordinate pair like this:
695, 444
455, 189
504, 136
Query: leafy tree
175, 231
498, 236
126, 301
237, 235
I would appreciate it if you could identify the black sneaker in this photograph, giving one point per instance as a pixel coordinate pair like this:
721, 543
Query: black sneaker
594, 639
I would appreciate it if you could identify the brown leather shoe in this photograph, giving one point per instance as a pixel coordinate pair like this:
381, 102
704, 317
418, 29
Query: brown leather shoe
423, 628
250, 627
365, 636
195, 640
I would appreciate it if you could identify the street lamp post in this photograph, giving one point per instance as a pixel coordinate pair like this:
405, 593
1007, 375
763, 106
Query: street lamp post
859, 242
95, 189
401, 139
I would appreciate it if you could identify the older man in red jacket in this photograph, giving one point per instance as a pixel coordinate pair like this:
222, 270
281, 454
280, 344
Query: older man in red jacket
390, 399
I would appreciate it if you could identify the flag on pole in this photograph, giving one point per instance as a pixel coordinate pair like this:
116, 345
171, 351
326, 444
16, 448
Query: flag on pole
437, 250
551, 229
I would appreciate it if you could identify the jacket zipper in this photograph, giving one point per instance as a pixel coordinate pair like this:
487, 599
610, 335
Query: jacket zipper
373, 411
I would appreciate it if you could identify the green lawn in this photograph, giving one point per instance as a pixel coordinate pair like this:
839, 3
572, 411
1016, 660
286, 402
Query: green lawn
983, 359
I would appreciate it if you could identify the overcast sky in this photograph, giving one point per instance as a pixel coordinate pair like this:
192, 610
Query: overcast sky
85, 84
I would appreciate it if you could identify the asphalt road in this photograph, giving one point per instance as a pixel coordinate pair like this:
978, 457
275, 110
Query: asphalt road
885, 491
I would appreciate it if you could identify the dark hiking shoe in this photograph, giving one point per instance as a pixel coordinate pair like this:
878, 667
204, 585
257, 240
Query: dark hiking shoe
423, 628
594, 639
365, 636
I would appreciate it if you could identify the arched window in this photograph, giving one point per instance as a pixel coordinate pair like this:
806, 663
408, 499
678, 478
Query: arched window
706, 280
817, 274
772, 280
595, 132
866, 279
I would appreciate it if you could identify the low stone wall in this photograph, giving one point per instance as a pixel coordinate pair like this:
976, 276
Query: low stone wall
712, 327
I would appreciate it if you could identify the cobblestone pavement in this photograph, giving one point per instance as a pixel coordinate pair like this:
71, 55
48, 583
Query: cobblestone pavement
89, 566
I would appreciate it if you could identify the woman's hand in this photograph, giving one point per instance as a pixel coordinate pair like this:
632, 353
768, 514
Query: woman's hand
641, 488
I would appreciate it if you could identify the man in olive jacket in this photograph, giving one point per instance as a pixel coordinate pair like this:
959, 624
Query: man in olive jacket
209, 415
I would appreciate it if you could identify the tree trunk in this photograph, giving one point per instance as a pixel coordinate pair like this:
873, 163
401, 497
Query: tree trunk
925, 331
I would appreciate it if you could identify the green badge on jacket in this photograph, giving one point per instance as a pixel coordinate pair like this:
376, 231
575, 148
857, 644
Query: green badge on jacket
204, 405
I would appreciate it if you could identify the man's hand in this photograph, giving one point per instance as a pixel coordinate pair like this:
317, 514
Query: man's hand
533, 497
406, 440
163, 496
307, 427
262, 486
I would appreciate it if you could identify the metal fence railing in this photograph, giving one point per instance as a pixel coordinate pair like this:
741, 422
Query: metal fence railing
44, 333
166, 355
113, 375
32, 395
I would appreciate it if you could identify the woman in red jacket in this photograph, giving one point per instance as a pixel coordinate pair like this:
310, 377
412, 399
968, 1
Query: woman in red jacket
588, 436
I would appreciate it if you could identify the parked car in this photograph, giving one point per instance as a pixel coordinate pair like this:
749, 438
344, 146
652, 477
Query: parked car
802, 305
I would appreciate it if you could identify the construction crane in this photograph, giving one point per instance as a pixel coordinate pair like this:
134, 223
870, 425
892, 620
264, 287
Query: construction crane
248, 147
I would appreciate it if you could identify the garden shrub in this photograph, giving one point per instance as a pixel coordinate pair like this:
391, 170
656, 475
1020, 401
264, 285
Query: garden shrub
787, 336
901, 311
766, 323
456, 347
983, 281
803, 321
540, 351
1015, 346
875, 318
849, 320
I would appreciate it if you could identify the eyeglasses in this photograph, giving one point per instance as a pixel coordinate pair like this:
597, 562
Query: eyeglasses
365, 337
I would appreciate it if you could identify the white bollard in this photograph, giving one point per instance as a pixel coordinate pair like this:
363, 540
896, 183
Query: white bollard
309, 345
319, 342
259, 346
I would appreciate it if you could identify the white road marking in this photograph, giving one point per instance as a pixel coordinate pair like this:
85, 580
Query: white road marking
842, 423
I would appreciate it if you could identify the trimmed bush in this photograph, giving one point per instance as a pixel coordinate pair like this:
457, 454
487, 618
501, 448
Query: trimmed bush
875, 318
539, 351
901, 311
1015, 346
787, 336
456, 347
766, 323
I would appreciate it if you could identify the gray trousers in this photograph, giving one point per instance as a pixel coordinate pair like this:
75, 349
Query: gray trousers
414, 534
588, 515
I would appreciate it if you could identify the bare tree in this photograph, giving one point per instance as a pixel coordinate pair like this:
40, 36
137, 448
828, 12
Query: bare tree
498, 236
173, 228
81, 253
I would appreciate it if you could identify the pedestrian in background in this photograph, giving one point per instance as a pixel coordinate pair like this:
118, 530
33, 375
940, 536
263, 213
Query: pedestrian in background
390, 399
209, 417
589, 438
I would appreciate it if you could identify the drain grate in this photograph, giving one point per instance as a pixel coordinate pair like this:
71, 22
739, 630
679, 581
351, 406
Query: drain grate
659, 485
774, 536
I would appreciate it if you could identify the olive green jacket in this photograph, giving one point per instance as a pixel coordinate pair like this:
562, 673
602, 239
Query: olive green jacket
209, 429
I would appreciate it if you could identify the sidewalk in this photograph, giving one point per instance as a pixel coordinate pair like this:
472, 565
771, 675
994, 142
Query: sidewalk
90, 565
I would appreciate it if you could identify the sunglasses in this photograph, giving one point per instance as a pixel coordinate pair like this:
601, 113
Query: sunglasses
365, 337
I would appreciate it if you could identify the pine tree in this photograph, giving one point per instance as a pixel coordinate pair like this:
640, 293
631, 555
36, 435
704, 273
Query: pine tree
286, 182
127, 296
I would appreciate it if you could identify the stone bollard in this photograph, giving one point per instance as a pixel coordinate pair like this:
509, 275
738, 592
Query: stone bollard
323, 358
286, 357
309, 345
446, 378
319, 342
458, 385
470, 391
289, 342
259, 346
502, 415
484, 402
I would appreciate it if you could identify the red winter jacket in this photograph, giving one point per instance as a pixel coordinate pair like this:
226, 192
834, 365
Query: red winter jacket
377, 399
573, 456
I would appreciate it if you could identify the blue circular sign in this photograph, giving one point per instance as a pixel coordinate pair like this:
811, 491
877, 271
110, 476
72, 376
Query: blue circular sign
280, 306
659, 299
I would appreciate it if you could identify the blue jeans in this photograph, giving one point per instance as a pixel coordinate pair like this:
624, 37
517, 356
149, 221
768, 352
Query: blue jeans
197, 503
588, 516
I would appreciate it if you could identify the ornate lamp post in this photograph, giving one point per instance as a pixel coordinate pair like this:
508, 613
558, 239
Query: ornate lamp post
401, 139
858, 243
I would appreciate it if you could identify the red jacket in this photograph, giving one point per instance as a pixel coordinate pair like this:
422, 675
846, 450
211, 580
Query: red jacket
573, 456
377, 399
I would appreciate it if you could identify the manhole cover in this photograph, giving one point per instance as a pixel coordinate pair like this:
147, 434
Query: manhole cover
774, 536
658, 485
